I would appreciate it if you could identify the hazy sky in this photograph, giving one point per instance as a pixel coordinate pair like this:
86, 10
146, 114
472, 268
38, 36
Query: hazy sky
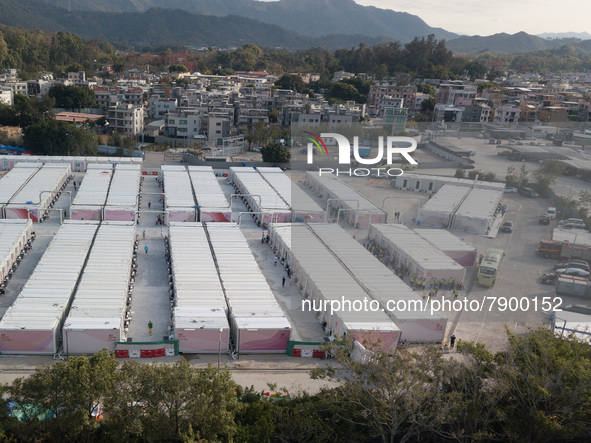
477, 17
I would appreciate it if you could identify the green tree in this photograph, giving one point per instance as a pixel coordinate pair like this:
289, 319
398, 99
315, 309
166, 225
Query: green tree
273, 116
341, 91
177, 68
460, 173
523, 178
167, 402
71, 391
276, 152
511, 178
545, 176
427, 89
72, 97
55, 137
291, 81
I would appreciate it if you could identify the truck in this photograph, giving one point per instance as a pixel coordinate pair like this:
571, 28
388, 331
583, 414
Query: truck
563, 250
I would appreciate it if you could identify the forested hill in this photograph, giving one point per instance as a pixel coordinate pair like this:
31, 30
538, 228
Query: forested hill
165, 26
306, 17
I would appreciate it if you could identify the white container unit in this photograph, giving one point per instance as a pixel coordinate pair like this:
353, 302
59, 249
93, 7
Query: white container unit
304, 208
178, 194
406, 248
122, 202
461, 252
433, 183
324, 280
200, 306
257, 321
92, 193
36, 195
77, 163
438, 212
33, 322
477, 212
417, 324
99, 309
260, 198
356, 209
14, 181
213, 204
14, 235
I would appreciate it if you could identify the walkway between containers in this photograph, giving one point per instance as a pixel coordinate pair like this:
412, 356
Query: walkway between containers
151, 298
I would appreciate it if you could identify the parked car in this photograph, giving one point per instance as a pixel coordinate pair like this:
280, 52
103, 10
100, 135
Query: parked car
510, 190
568, 226
576, 272
579, 264
551, 212
571, 220
468, 159
256, 149
467, 166
528, 192
507, 226
545, 219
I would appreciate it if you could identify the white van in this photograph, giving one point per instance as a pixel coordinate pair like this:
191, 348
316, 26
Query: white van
551, 212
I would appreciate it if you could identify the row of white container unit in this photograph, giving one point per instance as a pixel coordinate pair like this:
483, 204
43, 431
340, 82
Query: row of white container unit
406, 248
200, 309
478, 211
98, 314
91, 196
123, 199
438, 211
450, 245
15, 179
304, 208
433, 183
77, 163
213, 204
331, 291
257, 322
14, 236
34, 199
178, 194
259, 196
355, 208
33, 323
411, 314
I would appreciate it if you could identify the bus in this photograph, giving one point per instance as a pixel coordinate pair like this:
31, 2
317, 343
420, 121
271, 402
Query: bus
489, 267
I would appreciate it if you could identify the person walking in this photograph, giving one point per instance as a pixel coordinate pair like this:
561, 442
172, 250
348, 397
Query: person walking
146, 248
275, 261
452, 341
149, 205
144, 234
283, 282
150, 327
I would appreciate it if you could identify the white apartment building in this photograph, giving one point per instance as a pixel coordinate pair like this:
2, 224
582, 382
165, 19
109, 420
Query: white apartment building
184, 124
126, 118
159, 107
6, 96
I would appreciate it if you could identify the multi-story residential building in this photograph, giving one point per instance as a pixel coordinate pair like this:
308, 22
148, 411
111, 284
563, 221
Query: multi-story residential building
218, 125
251, 117
184, 124
77, 77
456, 93
396, 116
377, 94
475, 113
6, 95
448, 113
126, 119
506, 114
133, 96
554, 114
529, 112
159, 107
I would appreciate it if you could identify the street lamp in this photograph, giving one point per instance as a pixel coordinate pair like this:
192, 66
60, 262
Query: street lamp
220, 348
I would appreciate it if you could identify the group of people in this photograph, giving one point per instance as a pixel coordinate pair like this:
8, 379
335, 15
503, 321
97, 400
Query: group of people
397, 215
